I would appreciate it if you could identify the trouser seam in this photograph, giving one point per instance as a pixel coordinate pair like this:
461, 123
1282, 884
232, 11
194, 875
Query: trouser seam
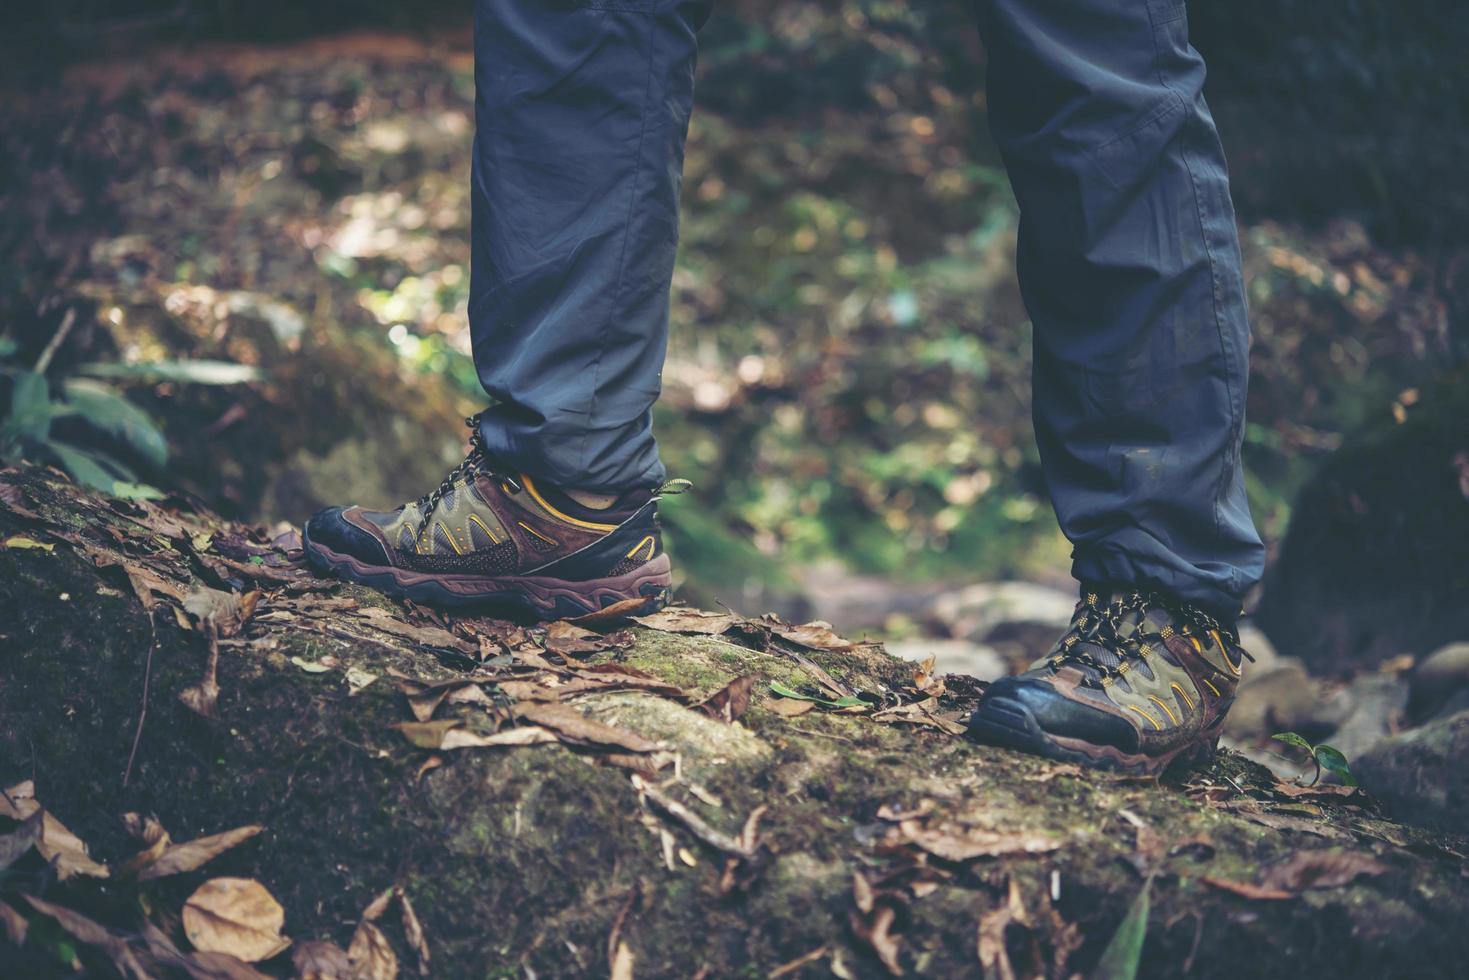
1227, 464
632, 201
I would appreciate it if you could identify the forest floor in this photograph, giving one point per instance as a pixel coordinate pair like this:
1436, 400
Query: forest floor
691, 794
686, 794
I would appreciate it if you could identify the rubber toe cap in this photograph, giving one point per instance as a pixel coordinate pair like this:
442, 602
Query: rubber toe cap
1056, 714
329, 529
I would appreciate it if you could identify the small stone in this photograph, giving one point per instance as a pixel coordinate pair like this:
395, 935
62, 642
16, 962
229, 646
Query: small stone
1440, 678
953, 657
977, 611
1258, 646
1376, 704
1420, 776
1276, 699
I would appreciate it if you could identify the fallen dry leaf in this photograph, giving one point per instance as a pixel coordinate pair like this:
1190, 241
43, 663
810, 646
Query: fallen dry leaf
872, 922
993, 955
317, 959
358, 679
729, 702
1246, 889
568, 640
622, 962
817, 635
16, 843
236, 916
55, 843
921, 713
13, 497
370, 956
447, 734
789, 707
14, 923
683, 620
413, 930
194, 854
577, 729
1319, 869
225, 612
1318, 791
608, 615
954, 842
203, 965
85, 930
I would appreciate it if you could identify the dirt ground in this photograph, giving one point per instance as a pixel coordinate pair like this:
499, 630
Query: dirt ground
557, 800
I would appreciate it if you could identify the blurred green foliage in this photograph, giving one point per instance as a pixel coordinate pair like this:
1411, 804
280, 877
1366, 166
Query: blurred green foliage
849, 370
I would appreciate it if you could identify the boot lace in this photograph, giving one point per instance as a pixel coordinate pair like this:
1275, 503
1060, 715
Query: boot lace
1097, 644
478, 461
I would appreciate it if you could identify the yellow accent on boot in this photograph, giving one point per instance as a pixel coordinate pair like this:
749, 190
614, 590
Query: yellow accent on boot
1164, 705
647, 540
530, 486
1151, 720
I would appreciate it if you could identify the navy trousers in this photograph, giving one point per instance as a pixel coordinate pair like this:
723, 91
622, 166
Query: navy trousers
1128, 261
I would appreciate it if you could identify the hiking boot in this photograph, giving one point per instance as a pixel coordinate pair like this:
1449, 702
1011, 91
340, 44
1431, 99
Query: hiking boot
1137, 683
491, 537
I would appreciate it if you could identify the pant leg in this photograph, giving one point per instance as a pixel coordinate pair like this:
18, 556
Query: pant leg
1130, 269
581, 111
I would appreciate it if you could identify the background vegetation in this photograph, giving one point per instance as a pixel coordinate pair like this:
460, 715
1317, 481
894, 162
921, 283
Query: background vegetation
848, 380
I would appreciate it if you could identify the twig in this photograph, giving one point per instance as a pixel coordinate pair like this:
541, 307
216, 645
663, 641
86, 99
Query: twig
67, 322
143, 711
716, 839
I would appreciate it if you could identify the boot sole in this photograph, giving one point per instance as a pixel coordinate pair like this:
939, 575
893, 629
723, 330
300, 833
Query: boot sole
1007, 723
537, 597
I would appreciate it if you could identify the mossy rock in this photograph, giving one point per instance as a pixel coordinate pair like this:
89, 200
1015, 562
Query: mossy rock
522, 861
1372, 565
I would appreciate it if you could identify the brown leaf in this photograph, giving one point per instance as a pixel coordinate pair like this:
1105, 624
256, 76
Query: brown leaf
413, 930
317, 959
817, 635
1319, 869
789, 707
236, 916
1318, 791
872, 922
729, 702
618, 612
447, 734
14, 499
379, 904
202, 697
370, 955
1246, 889
921, 713
953, 842
14, 924
225, 612
56, 844
426, 766
684, 620
431, 636
84, 930
145, 582
568, 640
147, 829
622, 962
924, 679
203, 965
573, 727
190, 856
14, 845
993, 955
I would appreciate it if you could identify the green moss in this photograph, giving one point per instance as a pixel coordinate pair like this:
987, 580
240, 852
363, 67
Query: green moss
521, 858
